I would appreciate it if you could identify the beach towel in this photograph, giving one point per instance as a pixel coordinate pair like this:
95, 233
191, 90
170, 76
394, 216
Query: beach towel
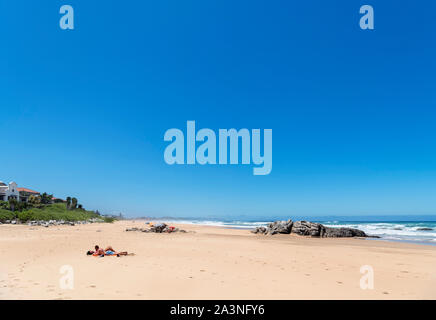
111, 254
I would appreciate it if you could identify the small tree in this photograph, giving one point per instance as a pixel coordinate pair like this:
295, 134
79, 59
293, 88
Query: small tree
74, 203
34, 199
80, 206
46, 198
12, 204
68, 203
4, 205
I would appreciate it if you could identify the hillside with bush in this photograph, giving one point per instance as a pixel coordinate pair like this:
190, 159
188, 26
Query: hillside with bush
44, 208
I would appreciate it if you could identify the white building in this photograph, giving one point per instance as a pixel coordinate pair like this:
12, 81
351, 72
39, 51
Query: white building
9, 191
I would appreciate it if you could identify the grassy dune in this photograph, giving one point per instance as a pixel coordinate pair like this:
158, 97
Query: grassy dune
56, 211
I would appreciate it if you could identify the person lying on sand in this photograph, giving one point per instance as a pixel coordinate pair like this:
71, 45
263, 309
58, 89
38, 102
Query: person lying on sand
109, 251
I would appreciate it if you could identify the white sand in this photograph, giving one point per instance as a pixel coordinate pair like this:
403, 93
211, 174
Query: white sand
212, 263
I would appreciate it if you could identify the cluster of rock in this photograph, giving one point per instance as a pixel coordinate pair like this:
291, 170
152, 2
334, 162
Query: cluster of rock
306, 228
275, 227
44, 223
157, 228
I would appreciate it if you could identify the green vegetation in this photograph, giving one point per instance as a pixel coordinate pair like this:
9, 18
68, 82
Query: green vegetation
6, 215
108, 219
56, 211
44, 208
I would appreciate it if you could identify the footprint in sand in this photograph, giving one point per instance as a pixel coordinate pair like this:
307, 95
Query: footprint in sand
339, 282
385, 292
92, 286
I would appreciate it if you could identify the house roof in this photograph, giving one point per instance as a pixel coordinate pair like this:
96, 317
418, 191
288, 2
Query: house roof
27, 190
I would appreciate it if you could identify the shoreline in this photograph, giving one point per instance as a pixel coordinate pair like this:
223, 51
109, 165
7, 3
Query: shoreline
249, 228
207, 262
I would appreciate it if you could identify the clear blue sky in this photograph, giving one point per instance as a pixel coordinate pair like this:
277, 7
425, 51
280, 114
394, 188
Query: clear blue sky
353, 112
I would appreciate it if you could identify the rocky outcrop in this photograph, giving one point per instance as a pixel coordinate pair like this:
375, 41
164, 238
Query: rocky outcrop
307, 228
284, 227
158, 228
343, 232
260, 230
50, 223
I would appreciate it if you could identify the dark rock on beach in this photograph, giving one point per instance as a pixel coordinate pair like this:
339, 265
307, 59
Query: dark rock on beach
275, 227
157, 228
133, 229
343, 232
424, 229
50, 223
307, 228
261, 230
280, 227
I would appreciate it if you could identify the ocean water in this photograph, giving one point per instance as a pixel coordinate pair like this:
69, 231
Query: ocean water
405, 230
408, 231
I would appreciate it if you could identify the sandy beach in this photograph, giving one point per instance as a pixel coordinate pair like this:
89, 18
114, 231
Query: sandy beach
206, 263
